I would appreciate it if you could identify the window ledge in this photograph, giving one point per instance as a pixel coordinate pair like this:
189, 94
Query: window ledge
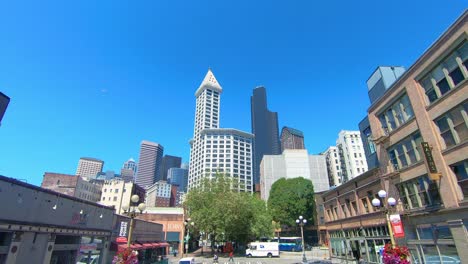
455, 147
409, 121
446, 95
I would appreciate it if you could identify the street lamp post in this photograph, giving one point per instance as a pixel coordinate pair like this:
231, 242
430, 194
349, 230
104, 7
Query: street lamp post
301, 222
131, 211
388, 205
187, 225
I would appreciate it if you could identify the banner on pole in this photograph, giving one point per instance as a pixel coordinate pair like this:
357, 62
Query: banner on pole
397, 226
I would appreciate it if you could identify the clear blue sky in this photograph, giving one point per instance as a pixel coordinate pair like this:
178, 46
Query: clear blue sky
94, 78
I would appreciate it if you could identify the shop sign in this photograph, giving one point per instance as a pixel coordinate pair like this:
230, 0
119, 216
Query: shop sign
397, 226
123, 229
88, 247
121, 240
427, 150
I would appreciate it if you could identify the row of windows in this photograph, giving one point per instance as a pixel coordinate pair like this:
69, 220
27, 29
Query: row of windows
406, 152
397, 114
453, 126
447, 74
109, 198
419, 192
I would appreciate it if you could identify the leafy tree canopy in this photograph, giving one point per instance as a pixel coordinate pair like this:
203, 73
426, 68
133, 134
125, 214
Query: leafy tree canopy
290, 198
218, 208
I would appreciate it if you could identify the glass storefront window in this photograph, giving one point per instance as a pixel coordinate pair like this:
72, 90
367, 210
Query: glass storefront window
430, 254
373, 253
448, 254
425, 232
443, 232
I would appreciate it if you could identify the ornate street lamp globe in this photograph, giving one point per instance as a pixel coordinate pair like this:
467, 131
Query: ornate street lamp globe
391, 201
382, 194
135, 198
376, 202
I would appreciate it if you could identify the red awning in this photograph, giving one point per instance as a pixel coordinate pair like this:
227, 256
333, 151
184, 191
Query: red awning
136, 246
163, 244
156, 245
147, 245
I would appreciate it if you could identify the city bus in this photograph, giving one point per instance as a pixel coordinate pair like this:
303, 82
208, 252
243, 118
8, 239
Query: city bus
289, 243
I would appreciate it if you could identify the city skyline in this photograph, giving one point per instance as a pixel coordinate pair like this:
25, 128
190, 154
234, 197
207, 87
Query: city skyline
91, 91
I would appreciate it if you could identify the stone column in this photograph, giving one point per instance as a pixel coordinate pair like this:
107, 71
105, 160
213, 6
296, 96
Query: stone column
13, 251
460, 236
49, 249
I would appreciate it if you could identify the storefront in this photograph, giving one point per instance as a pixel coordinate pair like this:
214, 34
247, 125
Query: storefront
359, 244
146, 239
49, 227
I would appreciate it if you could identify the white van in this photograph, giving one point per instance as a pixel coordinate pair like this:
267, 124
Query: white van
187, 261
262, 249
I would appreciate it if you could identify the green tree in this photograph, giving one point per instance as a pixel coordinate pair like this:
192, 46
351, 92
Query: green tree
290, 198
219, 209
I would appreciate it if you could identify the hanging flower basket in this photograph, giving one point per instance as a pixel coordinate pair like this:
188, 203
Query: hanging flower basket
126, 256
395, 255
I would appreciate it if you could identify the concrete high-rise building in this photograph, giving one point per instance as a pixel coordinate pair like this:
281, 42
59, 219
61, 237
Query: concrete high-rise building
73, 185
158, 194
149, 163
293, 163
4, 101
129, 170
291, 138
264, 128
168, 162
333, 166
179, 177
351, 152
89, 167
117, 193
215, 150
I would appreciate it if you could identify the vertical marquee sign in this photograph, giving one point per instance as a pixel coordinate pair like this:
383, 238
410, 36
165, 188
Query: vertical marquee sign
427, 150
122, 238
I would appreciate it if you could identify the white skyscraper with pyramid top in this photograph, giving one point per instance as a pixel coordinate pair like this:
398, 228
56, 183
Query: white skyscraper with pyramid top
214, 149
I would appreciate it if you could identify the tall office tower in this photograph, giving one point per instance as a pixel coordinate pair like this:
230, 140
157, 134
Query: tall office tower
128, 170
148, 165
130, 164
89, 167
293, 163
179, 177
291, 139
167, 163
351, 152
264, 128
216, 150
333, 166
4, 101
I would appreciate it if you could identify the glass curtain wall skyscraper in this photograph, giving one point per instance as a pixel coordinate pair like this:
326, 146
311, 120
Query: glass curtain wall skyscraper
264, 128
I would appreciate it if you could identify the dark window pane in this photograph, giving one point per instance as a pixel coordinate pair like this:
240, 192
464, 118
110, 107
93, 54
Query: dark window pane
431, 95
443, 86
457, 76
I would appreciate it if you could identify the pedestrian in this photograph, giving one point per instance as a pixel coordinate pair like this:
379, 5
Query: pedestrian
215, 258
231, 256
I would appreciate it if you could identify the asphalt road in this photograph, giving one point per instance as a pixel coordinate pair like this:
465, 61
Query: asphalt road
285, 258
